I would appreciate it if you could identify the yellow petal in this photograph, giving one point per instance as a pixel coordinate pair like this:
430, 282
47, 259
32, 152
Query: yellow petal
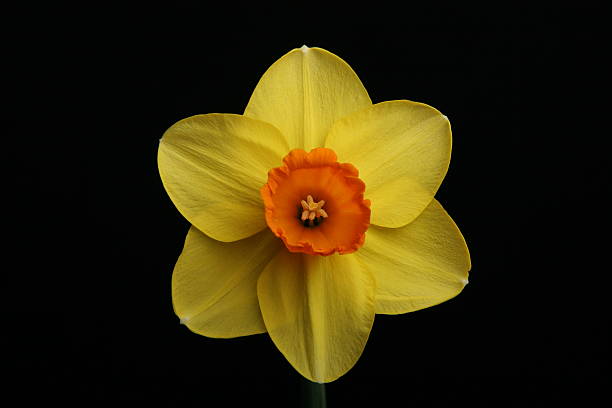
416, 266
304, 93
214, 284
318, 311
213, 166
402, 150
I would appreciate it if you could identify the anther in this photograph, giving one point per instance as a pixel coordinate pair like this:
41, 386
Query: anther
311, 212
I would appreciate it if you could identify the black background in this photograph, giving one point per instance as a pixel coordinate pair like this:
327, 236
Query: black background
94, 237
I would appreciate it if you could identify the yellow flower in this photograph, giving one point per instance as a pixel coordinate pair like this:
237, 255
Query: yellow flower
310, 213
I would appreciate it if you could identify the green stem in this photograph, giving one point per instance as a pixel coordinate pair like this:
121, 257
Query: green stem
313, 394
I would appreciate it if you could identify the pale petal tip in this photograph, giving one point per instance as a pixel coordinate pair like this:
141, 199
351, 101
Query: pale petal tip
445, 117
304, 48
184, 320
465, 282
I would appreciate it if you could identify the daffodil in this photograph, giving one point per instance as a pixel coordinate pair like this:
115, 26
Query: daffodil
311, 212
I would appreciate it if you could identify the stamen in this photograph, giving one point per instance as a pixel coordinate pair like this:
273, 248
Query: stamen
311, 212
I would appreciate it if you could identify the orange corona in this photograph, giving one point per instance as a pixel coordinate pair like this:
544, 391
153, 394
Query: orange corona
296, 193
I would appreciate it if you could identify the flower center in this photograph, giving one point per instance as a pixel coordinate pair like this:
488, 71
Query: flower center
300, 184
311, 212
